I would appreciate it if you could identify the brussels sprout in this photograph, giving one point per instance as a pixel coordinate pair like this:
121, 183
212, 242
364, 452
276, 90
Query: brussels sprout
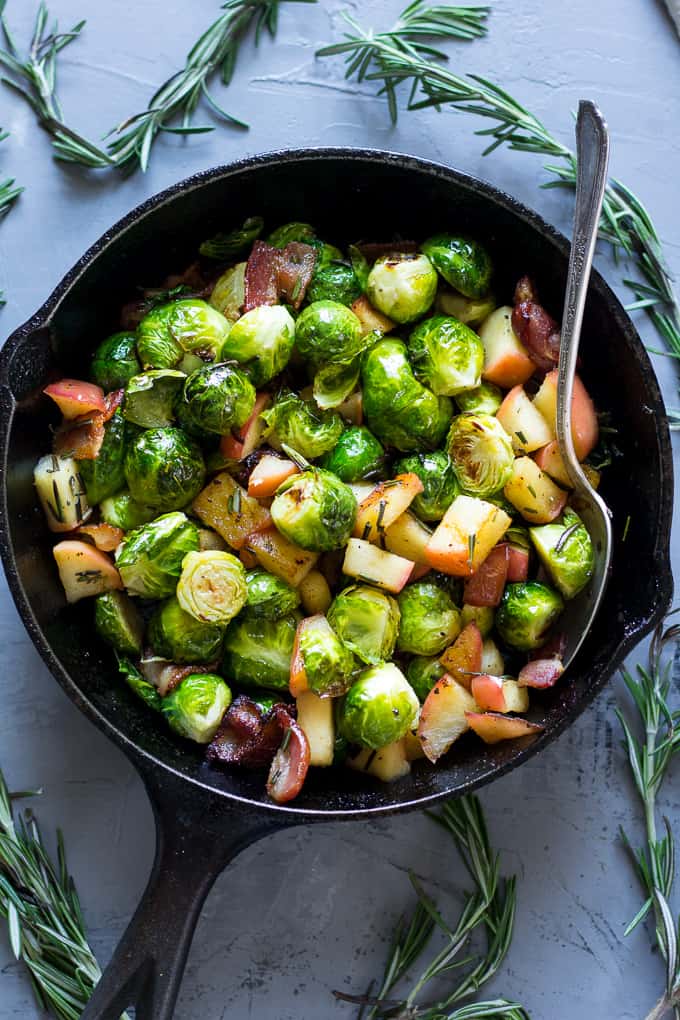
440, 484
315, 510
104, 475
326, 253
268, 596
429, 619
150, 397
402, 286
360, 265
334, 281
367, 621
168, 332
229, 293
399, 410
258, 652
481, 616
121, 511
379, 707
471, 311
288, 232
422, 673
481, 452
262, 341
164, 469
526, 612
463, 263
334, 383
115, 361
179, 637
150, 559
483, 399
225, 247
212, 586
327, 662
328, 332
217, 398
356, 455
565, 549
446, 355
136, 682
195, 708
302, 426
117, 621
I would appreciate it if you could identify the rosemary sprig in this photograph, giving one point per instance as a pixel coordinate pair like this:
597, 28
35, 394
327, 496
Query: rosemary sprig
9, 192
37, 69
215, 51
488, 910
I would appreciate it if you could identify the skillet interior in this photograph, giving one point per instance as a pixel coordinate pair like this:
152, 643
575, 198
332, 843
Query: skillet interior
348, 194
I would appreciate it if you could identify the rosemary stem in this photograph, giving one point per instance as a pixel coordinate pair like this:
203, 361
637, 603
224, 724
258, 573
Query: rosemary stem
662, 1008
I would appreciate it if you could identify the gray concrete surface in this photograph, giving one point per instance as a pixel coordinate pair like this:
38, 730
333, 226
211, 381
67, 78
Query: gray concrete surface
308, 911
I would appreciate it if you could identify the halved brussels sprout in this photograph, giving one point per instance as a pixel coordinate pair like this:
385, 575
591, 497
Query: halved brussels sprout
327, 662
293, 231
334, 383
483, 399
212, 586
164, 469
118, 622
302, 426
429, 619
269, 597
471, 311
379, 707
356, 455
422, 673
334, 281
402, 286
170, 331
440, 484
329, 332
367, 621
229, 293
179, 637
217, 398
446, 355
196, 707
481, 452
136, 682
105, 475
115, 361
262, 342
149, 561
315, 510
566, 551
150, 398
463, 263
257, 652
527, 611
481, 616
121, 511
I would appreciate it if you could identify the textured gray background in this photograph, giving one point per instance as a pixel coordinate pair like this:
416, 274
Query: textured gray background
307, 911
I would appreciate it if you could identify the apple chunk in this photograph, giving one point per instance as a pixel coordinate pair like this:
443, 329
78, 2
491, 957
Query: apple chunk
463, 659
368, 563
315, 719
533, 492
443, 717
506, 359
523, 422
469, 530
540, 673
228, 509
387, 764
408, 537
84, 570
74, 397
279, 556
268, 474
488, 692
384, 505
493, 727
516, 697
584, 426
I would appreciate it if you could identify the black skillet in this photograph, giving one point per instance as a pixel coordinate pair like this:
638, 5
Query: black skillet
205, 817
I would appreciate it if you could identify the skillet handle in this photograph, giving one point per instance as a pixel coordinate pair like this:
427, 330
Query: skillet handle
196, 837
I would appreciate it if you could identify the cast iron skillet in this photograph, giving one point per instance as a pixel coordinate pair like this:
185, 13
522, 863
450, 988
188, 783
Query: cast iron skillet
205, 817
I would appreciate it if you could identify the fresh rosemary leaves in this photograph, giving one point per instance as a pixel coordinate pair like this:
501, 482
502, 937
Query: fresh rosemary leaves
9, 192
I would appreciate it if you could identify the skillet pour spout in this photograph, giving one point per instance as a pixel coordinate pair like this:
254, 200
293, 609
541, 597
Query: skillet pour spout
204, 816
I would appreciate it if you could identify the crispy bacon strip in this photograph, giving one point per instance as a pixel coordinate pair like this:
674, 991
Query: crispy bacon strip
291, 762
273, 274
537, 330
376, 249
82, 437
246, 737
105, 536
165, 676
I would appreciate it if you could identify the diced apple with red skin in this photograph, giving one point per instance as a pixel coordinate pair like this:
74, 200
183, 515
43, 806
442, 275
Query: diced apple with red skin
368, 563
249, 436
105, 536
420, 570
315, 719
74, 397
84, 570
518, 563
549, 459
488, 692
493, 727
463, 659
540, 673
384, 505
523, 422
443, 716
584, 426
279, 556
268, 474
465, 536
485, 587
516, 697
533, 492
372, 321
408, 537
506, 359
492, 660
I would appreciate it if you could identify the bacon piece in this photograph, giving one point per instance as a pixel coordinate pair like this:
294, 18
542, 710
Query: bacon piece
112, 400
376, 249
525, 290
81, 438
247, 737
297, 262
105, 536
197, 284
291, 761
165, 676
554, 648
540, 673
485, 587
261, 276
539, 333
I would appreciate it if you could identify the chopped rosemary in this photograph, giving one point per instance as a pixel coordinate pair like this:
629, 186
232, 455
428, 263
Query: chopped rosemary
522, 438
472, 542
565, 536
626, 526
532, 490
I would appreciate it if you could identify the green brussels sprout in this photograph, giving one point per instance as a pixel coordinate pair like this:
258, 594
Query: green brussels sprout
196, 707
217, 398
115, 361
399, 410
257, 652
367, 621
164, 469
481, 452
482, 616
402, 286
483, 399
170, 331
150, 559
225, 247
150, 398
327, 662
527, 611
422, 673
565, 549
328, 332
302, 426
104, 475
356, 455
118, 622
334, 383
360, 265
334, 281
429, 619
446, 355
288, 232
326, 253
229, 293
471, 311
136, 682
121, 511
179, 637
518, 535
315, 510
463, 263
379, 707
269, 597
212, 586
262, 341
440, 484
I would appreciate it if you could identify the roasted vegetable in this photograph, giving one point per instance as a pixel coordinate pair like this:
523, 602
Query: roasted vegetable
150, 559
566, 551
268, 596
483, 399
262, 342
105, 475
367, 621
150, 397
212, 586
321, 661
429, 619
61, 491
179, 637
258, 652
328, 332
217, 398
440, 483
121, 511
334, 281
356, 455
118, 622
302, 426
115, 361
463, 263
172, 330
164, 469
379, 707
196, 707
481, 452
402, 286
446, 355
422, 673
315, 510
527, 611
